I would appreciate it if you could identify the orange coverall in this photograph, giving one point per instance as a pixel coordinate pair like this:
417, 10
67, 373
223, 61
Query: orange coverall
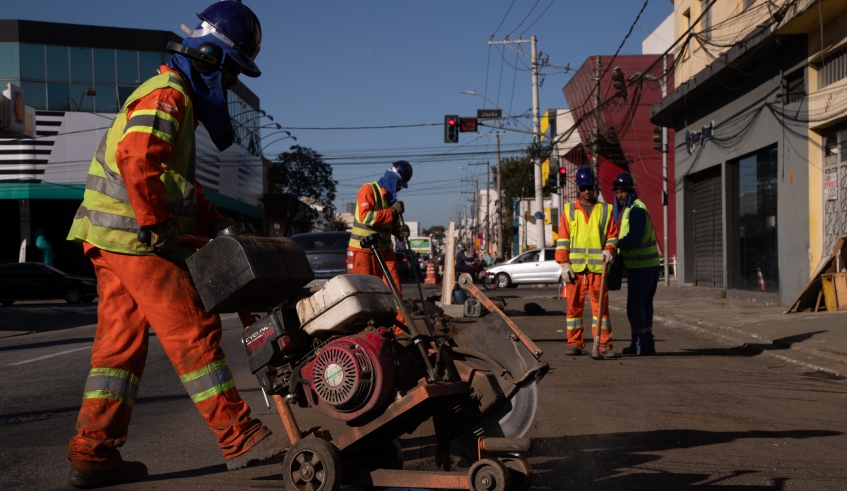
586, 283
137, 291
362, 261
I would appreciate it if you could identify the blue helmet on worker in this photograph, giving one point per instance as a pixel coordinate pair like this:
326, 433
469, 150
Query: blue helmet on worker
585, 177
623, 181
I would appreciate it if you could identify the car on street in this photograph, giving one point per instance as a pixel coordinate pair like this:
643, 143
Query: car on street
532, 267
404, 265
39, 281
326, 252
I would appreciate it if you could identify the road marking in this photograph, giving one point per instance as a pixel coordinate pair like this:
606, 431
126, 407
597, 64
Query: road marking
50, 356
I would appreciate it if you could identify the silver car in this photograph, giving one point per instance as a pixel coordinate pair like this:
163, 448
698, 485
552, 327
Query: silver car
533, 266
326, 252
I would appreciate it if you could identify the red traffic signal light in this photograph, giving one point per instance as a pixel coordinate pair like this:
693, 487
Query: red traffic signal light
467, 125
563, 171
451, 129
451, 121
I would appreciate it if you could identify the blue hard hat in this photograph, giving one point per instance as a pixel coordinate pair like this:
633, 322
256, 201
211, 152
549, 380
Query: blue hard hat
236, 30
624, 182
585, 177
404, 170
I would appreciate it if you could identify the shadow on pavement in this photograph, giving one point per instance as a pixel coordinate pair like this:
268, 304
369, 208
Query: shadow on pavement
598, 461
47, 344
217, 469
747, 349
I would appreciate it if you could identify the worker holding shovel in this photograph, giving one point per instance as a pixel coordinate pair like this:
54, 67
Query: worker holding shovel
588, 237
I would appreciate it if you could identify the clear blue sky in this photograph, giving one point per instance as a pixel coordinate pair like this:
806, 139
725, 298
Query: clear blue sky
393, 63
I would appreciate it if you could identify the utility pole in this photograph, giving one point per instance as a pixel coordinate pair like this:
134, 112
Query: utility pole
536, 129
665, 172
499, 203
595, 157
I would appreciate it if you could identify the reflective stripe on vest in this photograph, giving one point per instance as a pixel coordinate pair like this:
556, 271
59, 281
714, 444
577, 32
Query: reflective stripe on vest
113, 384
587, 240
366, 228
106, 219
208, 381
646, 255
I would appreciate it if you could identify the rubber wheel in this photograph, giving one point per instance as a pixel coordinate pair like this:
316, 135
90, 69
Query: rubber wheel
503, 280
73, 295
520, 472
7, 302
489, 475
312, 464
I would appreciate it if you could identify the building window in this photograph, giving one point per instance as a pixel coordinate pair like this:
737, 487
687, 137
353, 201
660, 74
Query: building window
106, 100
36, 94
58, 97
82, 67
10, 61
757, 258
833, 68
104, 66
32, 62
706, 8
148, 63
80, 101
686, 22
57, 63
127, 67
794, 87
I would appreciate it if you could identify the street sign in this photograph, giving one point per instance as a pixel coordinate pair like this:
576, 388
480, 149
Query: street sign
489, 113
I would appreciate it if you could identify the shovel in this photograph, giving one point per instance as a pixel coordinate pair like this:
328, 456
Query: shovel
595, 350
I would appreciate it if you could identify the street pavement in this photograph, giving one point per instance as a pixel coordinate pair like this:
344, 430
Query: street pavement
739, 396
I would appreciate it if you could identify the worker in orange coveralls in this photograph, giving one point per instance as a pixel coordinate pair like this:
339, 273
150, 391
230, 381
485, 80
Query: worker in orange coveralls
588, 236
378, 212
140, 195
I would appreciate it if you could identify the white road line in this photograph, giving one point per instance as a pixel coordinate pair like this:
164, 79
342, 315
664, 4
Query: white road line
50, 356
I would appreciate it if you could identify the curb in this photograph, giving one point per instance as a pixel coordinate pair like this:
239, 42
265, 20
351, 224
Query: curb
676, 324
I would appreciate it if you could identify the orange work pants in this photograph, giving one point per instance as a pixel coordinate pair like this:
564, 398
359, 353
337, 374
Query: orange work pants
586, 284
137, 291
361, 261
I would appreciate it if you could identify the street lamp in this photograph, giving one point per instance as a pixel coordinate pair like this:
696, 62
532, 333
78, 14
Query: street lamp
278, 139
88, 91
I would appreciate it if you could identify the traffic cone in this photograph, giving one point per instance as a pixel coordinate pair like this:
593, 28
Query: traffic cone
430, 274
761, 280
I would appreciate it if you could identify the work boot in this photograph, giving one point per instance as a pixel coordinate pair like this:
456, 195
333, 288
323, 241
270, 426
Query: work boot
649, 346
267, 447
573, 351
609, 355
637, 343
125, 472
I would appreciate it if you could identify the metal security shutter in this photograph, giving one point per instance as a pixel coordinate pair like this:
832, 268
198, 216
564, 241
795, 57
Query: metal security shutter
708, 230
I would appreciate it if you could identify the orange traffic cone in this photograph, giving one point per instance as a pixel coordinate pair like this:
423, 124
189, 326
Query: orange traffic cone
761, 280
430, 274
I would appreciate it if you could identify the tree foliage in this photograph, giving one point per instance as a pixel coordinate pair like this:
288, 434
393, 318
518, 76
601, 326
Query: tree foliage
436, 232
302, 172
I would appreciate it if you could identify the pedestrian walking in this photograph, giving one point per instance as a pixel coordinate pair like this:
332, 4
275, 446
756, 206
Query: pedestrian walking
586, 244
142, 179
639, 252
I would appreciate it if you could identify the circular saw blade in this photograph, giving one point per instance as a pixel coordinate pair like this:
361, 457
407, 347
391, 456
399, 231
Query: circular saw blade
511, 419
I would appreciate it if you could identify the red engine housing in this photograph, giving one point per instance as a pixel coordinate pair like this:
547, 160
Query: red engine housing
351, 375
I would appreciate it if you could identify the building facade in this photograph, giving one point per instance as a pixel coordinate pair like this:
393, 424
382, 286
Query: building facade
758, 115
77, 77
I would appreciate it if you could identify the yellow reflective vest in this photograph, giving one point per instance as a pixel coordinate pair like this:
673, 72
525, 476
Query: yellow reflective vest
106, 218
366, 228
647, 253
587, 240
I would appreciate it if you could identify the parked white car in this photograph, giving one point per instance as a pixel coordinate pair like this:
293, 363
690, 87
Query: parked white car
533, 266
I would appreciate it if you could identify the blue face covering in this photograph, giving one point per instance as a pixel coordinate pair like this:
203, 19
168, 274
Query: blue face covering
210, 106
389, 183
619, 210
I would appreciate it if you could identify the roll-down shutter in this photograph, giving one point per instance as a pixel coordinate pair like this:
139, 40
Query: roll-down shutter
708, 229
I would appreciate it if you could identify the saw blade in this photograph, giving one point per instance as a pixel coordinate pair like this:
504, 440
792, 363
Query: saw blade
510, 419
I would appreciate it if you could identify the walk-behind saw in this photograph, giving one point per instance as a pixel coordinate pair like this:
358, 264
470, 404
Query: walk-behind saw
333, 348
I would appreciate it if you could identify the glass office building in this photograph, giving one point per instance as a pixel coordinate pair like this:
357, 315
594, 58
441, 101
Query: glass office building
77, 78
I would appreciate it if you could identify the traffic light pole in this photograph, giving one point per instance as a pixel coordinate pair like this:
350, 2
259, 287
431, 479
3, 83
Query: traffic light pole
665, 173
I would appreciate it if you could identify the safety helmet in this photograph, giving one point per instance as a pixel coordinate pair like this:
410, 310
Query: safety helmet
624, 182
460, 247
585, 177
228, 29
404, 170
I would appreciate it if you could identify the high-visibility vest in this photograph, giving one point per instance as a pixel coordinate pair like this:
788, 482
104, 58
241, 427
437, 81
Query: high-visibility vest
587, 240
106, 219
647, 253
366, 228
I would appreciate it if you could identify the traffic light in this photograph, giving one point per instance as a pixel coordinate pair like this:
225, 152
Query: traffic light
467, 125
657, 139
451, 129
618, 82
553, 178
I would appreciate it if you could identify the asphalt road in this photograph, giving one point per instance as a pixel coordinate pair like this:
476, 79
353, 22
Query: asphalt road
700, 414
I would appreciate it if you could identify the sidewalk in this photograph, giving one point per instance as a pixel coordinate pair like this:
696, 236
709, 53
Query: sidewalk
754, 324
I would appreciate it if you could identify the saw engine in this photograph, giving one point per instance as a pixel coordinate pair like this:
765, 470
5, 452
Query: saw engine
351, 375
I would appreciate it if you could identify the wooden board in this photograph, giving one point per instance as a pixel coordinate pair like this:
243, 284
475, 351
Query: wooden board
840, 280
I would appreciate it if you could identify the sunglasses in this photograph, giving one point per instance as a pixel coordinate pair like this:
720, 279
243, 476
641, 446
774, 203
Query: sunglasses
586, 188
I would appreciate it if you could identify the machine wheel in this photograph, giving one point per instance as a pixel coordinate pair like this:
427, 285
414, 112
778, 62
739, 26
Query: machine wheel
503, 280
73, 295
489, 475
312, 464
520, 472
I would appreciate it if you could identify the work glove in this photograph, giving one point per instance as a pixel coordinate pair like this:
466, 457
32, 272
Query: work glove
567, 273
163, 237
608, 257
397, 208
220, 226
404, 231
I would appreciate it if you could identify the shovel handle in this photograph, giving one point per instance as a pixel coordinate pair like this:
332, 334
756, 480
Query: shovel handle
595, 350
